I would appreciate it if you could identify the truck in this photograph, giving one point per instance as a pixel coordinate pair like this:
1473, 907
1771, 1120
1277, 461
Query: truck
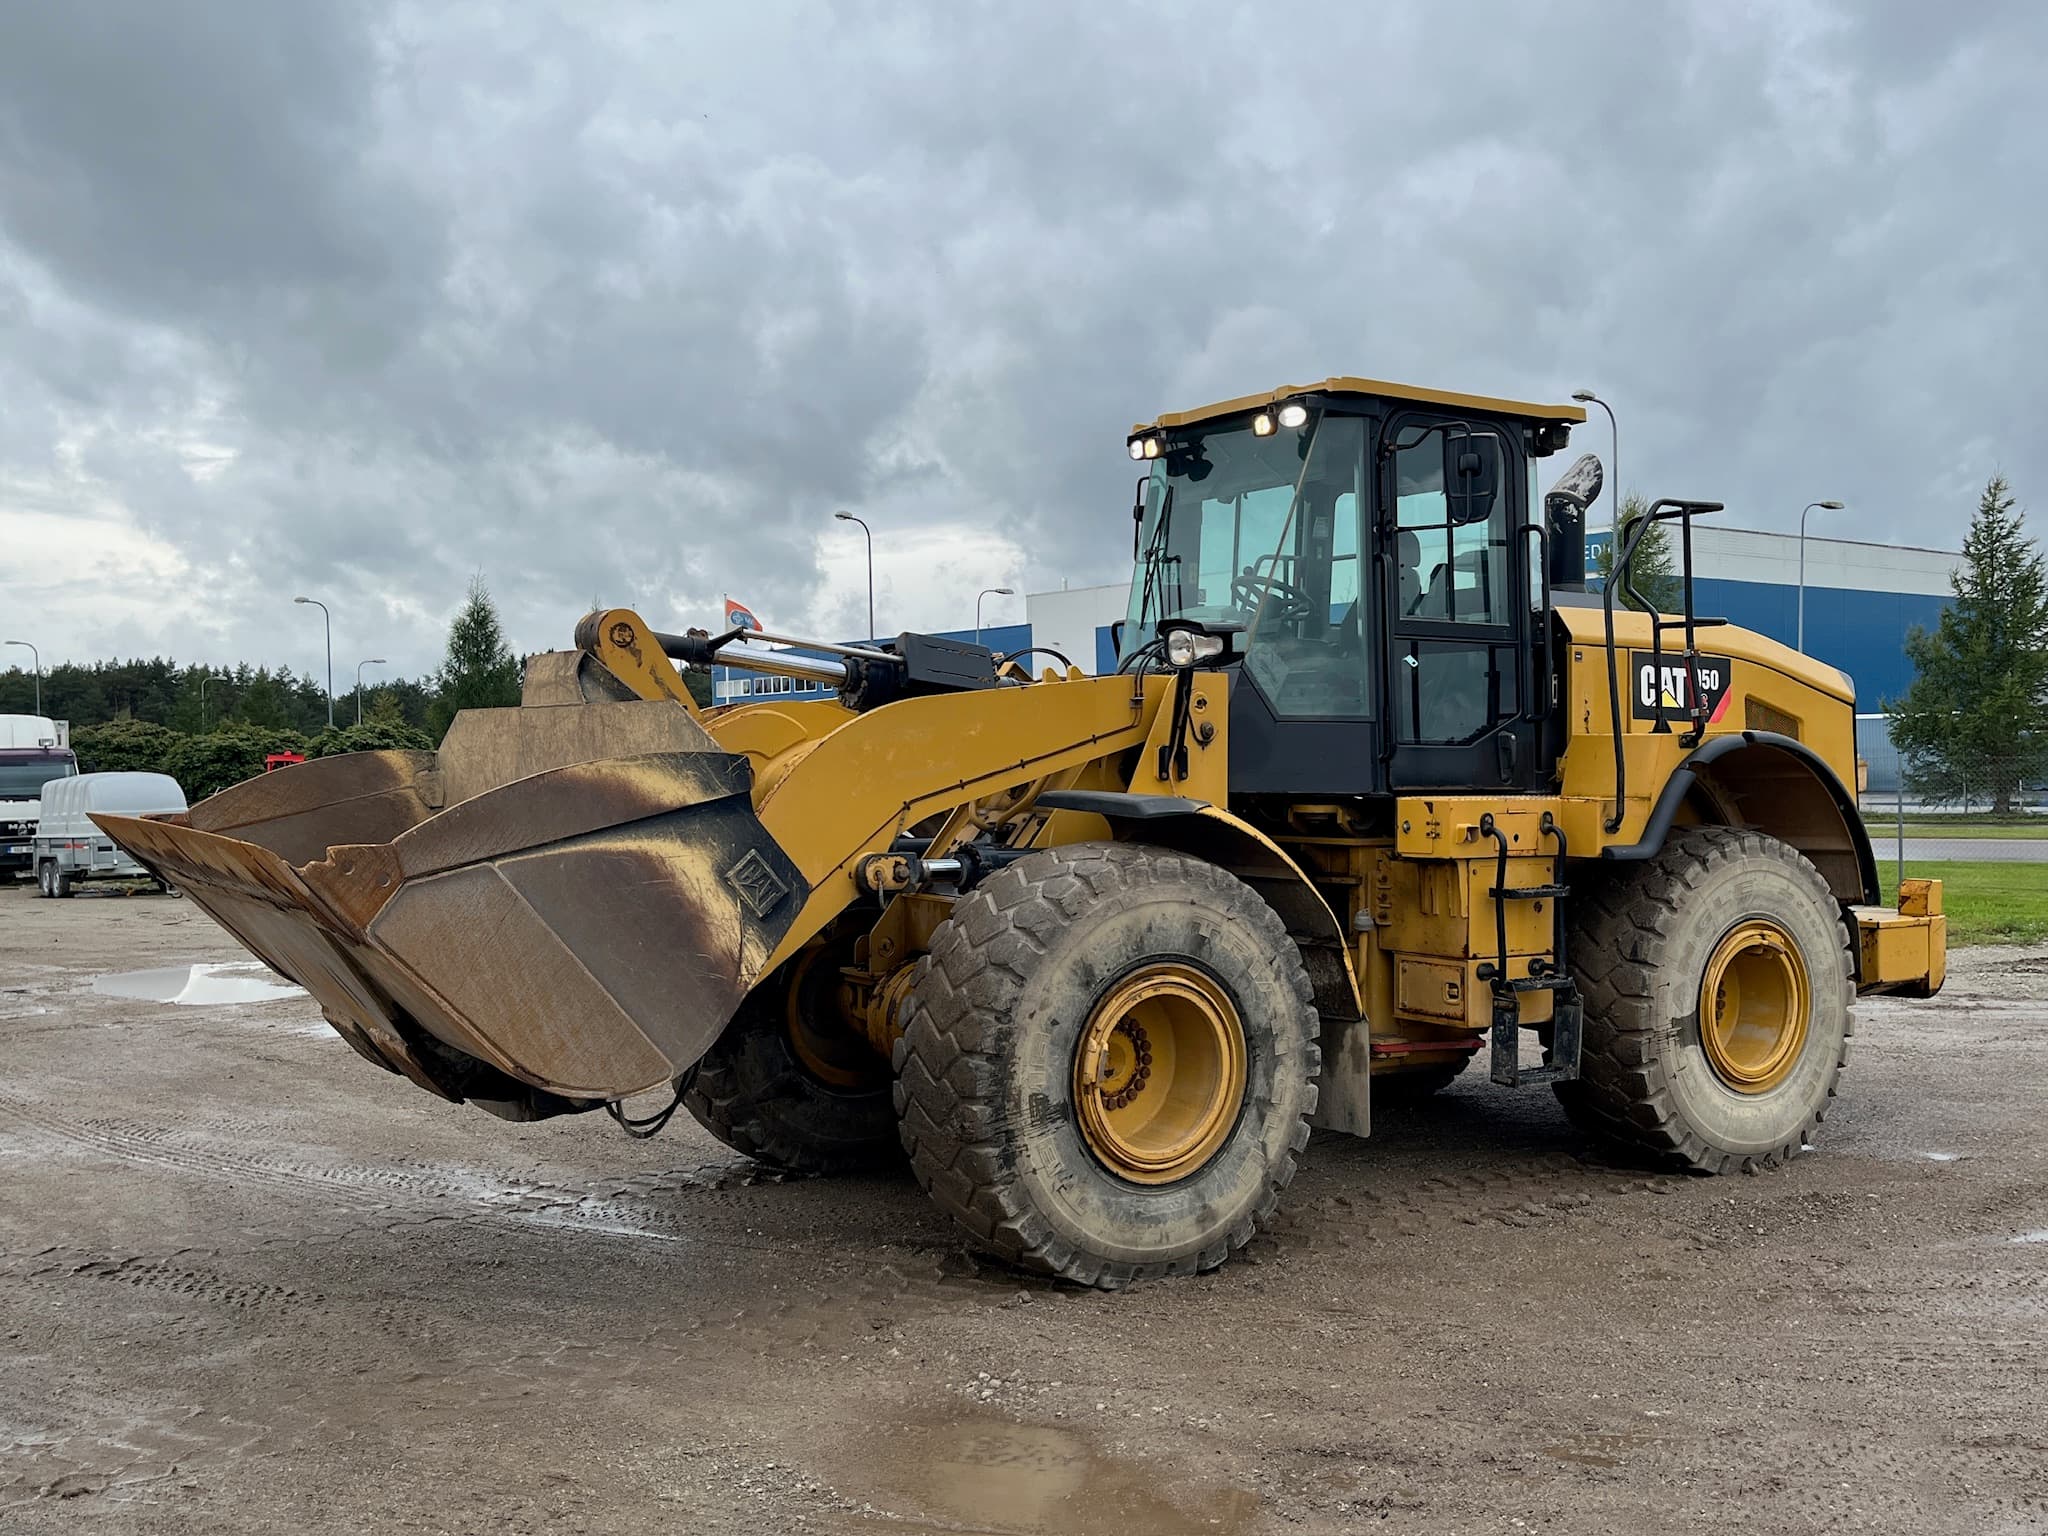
34, 749
69, 848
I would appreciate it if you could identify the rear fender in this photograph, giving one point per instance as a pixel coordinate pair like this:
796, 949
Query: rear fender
1779, 786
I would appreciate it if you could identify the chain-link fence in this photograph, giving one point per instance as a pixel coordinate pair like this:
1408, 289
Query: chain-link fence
1924, 813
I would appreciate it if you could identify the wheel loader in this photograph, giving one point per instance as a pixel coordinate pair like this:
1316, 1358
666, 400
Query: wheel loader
1378, 787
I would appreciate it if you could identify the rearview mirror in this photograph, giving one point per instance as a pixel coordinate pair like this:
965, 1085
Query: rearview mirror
1471, 475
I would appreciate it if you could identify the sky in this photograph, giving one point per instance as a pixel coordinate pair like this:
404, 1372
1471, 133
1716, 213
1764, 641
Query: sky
617, 304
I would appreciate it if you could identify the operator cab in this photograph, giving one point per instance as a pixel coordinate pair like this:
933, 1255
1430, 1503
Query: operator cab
1376, 553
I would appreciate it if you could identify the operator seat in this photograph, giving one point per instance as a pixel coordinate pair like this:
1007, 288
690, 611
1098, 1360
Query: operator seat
1409, 549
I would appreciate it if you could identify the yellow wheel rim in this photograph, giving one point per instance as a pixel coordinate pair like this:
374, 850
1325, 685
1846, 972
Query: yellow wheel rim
825, 1038
1754, 1003
1159, 1073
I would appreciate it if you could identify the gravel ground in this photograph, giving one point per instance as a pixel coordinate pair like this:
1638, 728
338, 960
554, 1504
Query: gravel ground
248, 1283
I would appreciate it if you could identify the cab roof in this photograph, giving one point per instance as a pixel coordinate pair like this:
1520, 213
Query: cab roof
1347, 385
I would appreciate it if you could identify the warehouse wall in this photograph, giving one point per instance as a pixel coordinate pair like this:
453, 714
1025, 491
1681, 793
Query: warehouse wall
1076, 623
1860, 598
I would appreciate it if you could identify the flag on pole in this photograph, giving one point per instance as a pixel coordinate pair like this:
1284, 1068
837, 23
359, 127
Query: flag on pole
738, 614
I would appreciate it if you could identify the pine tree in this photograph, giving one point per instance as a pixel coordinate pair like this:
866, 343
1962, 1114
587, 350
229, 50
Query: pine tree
480, 671
1651, 571
384, 709
1975, 720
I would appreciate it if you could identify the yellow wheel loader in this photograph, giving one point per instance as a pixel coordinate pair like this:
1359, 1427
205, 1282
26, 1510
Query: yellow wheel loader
1378, 787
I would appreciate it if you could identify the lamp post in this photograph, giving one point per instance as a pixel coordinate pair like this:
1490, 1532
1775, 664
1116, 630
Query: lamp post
848, 517
988, 592
205, 677
329, 618
1828, 506
1587, 397
38, 657
374, 661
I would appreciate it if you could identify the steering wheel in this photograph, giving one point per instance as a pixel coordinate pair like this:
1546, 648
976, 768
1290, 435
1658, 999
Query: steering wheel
1252, 587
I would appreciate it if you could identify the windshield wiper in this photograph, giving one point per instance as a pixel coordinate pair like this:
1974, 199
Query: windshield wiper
1154, 549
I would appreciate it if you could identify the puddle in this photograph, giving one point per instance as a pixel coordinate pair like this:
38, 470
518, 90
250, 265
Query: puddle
1941, 1157
2040, 1236
200, 986
1034, 1480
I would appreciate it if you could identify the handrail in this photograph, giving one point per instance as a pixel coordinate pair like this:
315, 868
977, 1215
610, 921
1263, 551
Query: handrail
1621, 571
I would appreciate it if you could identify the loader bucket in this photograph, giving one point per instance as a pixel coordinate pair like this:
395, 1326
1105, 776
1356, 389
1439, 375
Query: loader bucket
564, 905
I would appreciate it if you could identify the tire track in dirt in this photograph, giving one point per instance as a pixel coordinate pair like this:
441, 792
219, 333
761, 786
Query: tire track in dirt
184, 1284
371, 1189
831, 1296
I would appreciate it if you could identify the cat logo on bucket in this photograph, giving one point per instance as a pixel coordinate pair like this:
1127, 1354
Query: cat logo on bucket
1661, 688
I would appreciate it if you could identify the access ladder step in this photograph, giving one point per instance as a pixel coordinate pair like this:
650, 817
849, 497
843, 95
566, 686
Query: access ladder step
1549, 981
1567, 1026
1530, 892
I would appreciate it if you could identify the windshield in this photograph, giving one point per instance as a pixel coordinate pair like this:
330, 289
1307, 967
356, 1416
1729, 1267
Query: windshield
1262, 533
23, 779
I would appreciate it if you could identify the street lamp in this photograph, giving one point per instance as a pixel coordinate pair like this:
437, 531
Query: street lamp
38, 655
848, 517
205, 677
1587, 397
988, 592
330, 653
374, 661
1828, 506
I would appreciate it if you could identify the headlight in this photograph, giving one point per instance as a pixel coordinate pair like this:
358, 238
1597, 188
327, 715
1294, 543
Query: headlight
1145, 447
1185, 647
1262, 424
1293, 414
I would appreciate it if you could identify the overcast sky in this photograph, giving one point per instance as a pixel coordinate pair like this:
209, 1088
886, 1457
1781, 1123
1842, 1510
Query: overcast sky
617, 304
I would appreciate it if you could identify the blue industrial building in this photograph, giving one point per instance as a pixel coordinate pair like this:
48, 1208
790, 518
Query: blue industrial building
1861, 599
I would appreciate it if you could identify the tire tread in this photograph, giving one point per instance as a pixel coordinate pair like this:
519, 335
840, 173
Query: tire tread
948, 1073
1625, 921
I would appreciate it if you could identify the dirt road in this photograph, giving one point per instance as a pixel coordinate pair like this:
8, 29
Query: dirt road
248, 1283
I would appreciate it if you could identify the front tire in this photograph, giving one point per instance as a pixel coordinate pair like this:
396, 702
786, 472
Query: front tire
1717, 987
1107, 1065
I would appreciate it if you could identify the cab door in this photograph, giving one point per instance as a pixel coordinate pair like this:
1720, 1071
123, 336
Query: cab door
1459, 623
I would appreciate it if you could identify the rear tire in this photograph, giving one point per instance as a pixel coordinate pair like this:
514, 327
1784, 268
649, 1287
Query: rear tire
1717, 987
60, 883
43, 879
1113, 971
756, 1092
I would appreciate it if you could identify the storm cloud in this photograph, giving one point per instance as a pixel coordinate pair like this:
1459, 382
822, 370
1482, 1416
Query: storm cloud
620, 303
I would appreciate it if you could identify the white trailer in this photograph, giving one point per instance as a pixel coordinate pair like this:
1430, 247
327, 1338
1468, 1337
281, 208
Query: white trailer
70, 848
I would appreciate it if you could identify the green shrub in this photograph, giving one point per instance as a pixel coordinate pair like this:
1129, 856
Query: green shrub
206, 765
124, 746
